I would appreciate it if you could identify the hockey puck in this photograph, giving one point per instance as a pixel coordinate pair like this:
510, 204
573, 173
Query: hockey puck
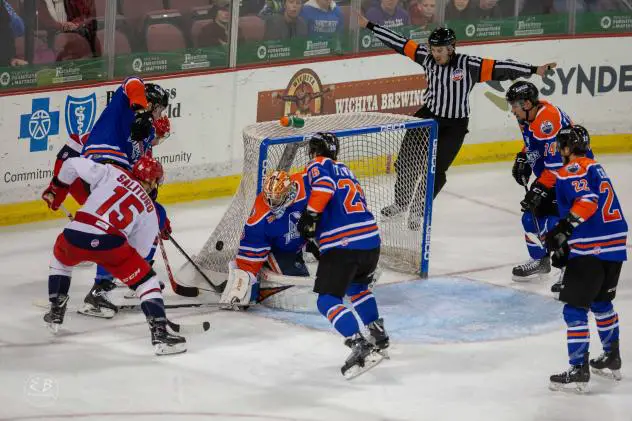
219, 245
206, 326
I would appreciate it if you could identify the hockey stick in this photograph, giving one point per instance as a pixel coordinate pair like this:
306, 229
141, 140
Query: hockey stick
182, 290
218, 289
189, 327
535, 219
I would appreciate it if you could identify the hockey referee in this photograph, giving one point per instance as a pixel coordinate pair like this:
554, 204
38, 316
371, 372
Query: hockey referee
451, 77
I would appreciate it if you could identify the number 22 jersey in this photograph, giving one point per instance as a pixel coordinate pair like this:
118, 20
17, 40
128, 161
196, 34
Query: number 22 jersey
584, 188
345, 221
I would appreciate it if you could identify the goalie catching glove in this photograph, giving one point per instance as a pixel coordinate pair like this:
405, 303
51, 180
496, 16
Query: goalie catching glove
55, 193
242, 289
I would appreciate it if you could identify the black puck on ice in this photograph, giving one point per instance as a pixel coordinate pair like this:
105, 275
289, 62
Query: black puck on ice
219, 245
206, 326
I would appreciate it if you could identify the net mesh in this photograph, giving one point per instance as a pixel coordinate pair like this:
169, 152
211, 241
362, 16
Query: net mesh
372, 159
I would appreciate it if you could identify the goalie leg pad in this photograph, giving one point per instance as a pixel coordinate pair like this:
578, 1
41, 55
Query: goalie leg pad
338, 314
239, 288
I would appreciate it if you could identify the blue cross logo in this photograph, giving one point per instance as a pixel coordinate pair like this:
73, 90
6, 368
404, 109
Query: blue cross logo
39, 125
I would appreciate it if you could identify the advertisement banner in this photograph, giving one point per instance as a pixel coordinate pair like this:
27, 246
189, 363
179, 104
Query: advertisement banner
172, 61
521, 26
369, 42
52, 74
306, 95
603, 22
290, 49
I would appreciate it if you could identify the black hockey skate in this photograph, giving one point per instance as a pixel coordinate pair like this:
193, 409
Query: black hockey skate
56, 313
97, 303
576, 378
164, 342
392, 210
364, 356
379, 337
610, 361
534, 269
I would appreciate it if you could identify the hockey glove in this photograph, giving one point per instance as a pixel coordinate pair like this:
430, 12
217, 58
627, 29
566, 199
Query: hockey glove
534, 197
55, 193
307, 224
141, 127
163, 127
557, 239
521, 170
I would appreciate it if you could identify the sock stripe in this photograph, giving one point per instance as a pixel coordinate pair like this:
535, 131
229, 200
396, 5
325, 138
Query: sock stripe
606, 322
334, 311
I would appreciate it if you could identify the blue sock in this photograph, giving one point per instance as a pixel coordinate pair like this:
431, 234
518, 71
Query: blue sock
102, 275
363, 302
340, 316
577, 333
57, 285
154, 308
536, 251
607, 323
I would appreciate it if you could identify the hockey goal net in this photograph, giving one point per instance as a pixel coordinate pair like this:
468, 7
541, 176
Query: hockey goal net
369, 145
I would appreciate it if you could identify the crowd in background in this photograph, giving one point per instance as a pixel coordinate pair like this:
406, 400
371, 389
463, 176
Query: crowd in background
72, 29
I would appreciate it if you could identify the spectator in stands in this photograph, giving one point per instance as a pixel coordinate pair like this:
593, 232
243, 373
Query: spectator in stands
608, 6
461, 10
250, 7
77, 16
388, 14
272, 7
7, 39
538, 7
217, 32
323, 17
422, 12
287, 25
17, 24
495, 9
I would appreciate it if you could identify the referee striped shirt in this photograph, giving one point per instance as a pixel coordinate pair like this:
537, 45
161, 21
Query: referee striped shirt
449, 86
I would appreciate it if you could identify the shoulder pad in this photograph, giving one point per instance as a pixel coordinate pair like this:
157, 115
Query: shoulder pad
259, 211
547, 122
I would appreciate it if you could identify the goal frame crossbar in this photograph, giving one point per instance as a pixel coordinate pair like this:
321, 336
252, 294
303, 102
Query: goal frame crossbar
430, 175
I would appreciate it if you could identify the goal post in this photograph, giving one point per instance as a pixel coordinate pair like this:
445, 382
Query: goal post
369, 145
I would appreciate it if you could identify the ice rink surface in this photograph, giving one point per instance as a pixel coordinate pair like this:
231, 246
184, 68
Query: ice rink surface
467, 344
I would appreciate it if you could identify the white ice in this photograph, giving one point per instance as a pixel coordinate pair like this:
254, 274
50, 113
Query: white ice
251, 367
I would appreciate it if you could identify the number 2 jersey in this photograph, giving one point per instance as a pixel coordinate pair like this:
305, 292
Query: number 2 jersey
584, 188
118, 205
267, 232
345, 221
540, 140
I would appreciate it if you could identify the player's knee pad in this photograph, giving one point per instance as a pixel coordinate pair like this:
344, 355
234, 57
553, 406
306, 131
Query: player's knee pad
601, 307
326, 302
575, 315
148, 288
57, 268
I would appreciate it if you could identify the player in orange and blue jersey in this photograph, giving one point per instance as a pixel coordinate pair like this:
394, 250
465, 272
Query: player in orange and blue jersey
270, 238
539, 122
590, 241
348, 237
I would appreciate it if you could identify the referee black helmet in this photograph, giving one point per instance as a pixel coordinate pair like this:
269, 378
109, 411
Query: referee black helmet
523, 91
442, 37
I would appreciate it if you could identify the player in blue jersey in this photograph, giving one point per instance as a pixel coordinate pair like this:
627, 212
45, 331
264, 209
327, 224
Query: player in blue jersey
539, 121
123, 133
338, 218
270, 238
590, 241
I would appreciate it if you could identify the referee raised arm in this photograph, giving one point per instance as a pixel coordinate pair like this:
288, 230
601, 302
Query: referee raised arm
451, 77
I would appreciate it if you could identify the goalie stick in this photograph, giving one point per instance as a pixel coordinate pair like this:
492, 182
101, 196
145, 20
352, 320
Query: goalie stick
182, 290
217, 288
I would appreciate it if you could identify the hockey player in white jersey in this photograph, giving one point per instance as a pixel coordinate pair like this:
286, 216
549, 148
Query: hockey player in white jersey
115, 228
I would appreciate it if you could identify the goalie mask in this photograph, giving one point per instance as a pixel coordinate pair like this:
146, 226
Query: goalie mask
278, 190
